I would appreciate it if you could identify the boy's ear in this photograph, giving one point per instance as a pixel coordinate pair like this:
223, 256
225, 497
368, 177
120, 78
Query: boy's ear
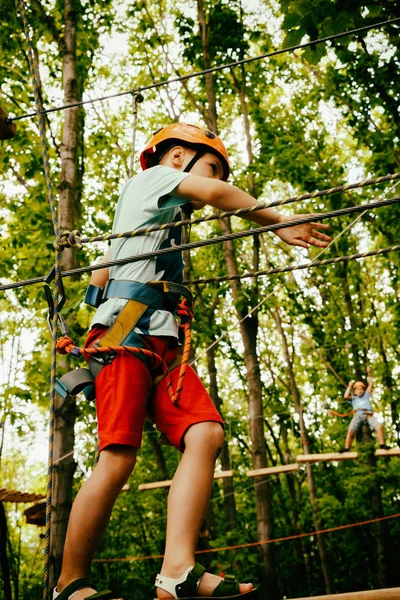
177, 154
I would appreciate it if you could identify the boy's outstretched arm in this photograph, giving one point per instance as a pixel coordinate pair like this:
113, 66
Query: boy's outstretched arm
370, 380
347, 394
202, 190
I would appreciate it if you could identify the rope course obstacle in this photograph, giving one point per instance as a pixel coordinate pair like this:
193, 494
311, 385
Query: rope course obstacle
232, 236
167, 483
287, 468
68, 239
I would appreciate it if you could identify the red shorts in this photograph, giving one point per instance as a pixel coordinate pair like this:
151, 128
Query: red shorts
124, 392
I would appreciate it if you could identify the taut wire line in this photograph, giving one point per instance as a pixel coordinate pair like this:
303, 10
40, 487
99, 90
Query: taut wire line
284, 283
241, 211
245, 61
260, 543
210, 241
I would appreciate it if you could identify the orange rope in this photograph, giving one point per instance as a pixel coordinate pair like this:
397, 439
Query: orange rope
333, 412
65, 345
250, 544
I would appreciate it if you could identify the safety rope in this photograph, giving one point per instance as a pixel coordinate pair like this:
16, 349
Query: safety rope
259, 543
65, 345
57, 296
237, 63
137, 98
309, 265
223, 238
76, 239
341, 415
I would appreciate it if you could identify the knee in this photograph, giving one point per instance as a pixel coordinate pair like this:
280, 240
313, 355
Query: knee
208, 436
118, 462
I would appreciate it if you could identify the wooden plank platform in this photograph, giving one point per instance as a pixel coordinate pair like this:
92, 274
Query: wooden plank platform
154, 485
273, 470
314, 458
331, 456
386, 594
391, 452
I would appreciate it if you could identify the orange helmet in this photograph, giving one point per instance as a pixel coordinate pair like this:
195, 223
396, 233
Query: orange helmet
359, 383
192, 136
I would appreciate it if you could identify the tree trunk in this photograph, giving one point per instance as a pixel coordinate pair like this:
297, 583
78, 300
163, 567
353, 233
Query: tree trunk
381, 529
228, 486
326, 569
5, 567
388, 381
248, 330
69, 212
352, 318
204, 31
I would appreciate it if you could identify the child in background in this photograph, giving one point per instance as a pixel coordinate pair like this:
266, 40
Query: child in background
359, 395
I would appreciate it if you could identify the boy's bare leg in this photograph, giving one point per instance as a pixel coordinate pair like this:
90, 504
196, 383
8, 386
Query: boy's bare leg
91, 512
187, 504
380, 435
349, 438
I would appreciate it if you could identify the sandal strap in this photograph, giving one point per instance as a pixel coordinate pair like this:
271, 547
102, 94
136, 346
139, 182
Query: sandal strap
184, 586
229, 586
71, 588
80, 584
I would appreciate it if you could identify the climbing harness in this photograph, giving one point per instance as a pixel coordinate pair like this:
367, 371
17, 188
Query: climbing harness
121, 337
7, 127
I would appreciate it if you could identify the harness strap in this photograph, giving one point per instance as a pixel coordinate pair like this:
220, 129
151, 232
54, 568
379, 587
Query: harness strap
124, 324
120, 337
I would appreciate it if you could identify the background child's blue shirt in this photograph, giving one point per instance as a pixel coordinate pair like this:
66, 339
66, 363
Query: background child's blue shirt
146, 199
362, 402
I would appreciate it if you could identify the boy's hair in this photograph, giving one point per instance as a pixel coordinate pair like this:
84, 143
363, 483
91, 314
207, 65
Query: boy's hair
189, 136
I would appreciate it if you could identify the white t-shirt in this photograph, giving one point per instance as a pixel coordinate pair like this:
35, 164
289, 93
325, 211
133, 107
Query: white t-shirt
146, 199
362, 402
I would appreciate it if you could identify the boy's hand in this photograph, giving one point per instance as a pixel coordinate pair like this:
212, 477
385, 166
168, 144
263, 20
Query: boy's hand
303, 235
351, 382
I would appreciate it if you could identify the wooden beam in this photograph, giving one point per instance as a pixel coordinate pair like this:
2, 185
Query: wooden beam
163, 484
272, 470
154, 485
223, 474
386, 594
390, 452
314, 458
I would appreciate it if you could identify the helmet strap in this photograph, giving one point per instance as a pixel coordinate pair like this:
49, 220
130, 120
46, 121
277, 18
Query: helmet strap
194, 160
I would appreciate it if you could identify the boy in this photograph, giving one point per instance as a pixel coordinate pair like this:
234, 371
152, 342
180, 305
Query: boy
361, 402
182, 164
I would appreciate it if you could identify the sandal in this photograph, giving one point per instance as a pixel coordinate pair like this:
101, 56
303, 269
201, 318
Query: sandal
80, 584
186, 586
